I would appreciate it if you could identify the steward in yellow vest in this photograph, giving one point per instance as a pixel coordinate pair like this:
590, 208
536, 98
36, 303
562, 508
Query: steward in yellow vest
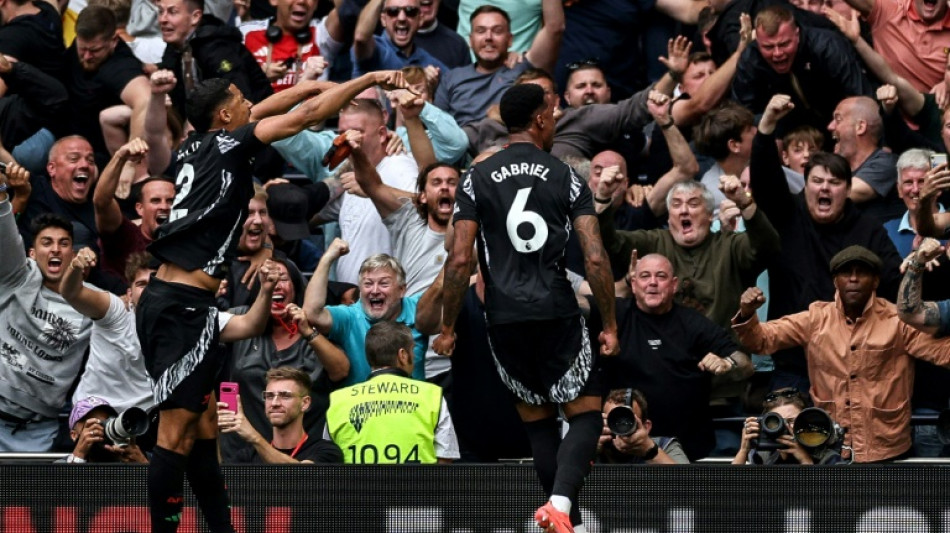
391, 418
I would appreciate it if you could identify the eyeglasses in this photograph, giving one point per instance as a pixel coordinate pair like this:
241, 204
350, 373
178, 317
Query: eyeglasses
790, 392
284, 395
584, 63
410, 11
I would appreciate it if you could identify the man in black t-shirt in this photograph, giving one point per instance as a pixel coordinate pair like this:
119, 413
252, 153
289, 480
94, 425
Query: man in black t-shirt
176, 319
286, 399
102, 72
670, 353
522, 203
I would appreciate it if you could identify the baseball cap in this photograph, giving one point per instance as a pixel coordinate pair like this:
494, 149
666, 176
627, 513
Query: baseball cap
287, 206
856, 253
82, 408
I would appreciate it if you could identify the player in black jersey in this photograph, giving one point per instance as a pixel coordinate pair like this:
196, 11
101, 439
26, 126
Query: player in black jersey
176, 318
522, 203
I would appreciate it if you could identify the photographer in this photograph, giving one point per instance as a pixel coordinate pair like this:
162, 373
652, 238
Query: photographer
87, 429
788, 403
637, 447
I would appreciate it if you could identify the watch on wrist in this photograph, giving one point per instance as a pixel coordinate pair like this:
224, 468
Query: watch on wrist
313, 335
652, 452
602, 200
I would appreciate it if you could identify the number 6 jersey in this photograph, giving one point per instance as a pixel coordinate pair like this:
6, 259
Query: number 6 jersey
212, 190
524, 201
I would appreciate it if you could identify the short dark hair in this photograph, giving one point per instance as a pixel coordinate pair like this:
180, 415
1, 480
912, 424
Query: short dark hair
196, 5
719, 126
637, 397
384, 340
137, 188
421, 181
836, 165
138, 261
490, 9
50, 220
204, 101
294, 374
94, 22
520, 104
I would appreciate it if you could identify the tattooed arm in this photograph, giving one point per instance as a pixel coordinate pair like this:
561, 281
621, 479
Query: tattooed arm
600, 278
457, 270
922, 315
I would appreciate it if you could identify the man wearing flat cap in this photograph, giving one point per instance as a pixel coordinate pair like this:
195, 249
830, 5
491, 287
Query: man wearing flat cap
859, 355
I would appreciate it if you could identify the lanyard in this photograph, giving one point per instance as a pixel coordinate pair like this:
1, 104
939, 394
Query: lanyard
297, 448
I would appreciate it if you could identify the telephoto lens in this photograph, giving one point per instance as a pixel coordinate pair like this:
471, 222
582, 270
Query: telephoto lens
622, 421
121, 429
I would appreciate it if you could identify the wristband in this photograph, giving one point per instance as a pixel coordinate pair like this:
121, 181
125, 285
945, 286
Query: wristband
313, 335
733, 362
267, 246
668, 125
652, 452
603, 200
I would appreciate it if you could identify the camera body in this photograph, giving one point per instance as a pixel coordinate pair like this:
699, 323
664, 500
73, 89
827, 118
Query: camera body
771, 426
119, 430
622, 421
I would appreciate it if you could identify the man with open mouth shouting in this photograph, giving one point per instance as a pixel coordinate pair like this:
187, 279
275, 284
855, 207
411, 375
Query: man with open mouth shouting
814, 226
43, 338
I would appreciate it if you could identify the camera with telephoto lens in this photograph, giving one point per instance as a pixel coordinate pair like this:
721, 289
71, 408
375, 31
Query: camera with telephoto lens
622, 421
771, 426
121, 429
816, 430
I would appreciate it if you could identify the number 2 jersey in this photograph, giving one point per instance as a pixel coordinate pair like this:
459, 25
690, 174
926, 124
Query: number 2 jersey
524, 201
212, 190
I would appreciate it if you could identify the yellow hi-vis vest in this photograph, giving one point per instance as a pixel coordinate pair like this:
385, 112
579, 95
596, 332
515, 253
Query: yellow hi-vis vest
389, 419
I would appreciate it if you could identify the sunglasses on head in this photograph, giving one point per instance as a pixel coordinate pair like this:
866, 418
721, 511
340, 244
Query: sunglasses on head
790, 392
584, 63
410, 11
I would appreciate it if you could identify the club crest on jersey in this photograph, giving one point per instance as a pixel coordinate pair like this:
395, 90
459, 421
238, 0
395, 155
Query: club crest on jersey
225, 66
226, 143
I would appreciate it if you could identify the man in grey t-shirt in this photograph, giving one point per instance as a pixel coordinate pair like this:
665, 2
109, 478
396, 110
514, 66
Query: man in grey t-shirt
467, 92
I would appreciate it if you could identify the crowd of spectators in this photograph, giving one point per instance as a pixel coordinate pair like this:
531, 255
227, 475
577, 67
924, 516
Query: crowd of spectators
760, 170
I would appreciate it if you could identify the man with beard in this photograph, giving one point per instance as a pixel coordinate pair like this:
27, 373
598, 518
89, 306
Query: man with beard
394, 49
467, 92
860, 354
102, 71
286, 398
120, 237
43, 338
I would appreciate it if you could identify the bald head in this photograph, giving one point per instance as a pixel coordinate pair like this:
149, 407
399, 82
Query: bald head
654, 284
865, 109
